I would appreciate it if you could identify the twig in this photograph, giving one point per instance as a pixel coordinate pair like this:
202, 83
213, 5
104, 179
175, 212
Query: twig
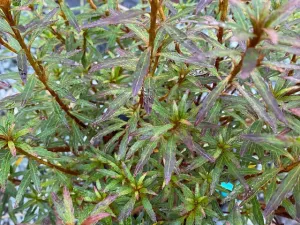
223, 8
92, 4
6, 45
40, 161
39, 70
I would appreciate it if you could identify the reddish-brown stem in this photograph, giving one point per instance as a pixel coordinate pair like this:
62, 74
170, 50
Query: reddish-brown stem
39, 70
63, 149
58, 35
92, 4
223, 8
6, 45
40, 161
152, 30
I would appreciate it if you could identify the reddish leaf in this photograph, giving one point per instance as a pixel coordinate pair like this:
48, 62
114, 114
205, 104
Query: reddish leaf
201, 5
115, 18
141, 71
295, 111
272, 35
282, 191
267, 95
95, 218
4, 85
194, 147
148, 94
249, 62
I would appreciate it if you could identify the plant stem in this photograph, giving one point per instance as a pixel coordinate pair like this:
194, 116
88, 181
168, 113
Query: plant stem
152, 30
223, 8
39, 70
92, 4
6, 45
40, 161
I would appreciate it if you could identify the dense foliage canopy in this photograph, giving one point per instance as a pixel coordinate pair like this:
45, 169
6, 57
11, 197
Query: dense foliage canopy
175, 113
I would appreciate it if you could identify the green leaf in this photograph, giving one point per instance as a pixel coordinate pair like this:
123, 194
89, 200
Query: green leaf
123, 146
4, 169
257, 107
12, 148
282, 190
146, 153
107, 130
257, 213
22, 188
296, 194
149, 94
139, 31
142, 69
114, 106
169, 158
22, 65
94, 218
148, 207
4, 26
259, 182
210, 100
35, 175
249, 62
267, 95
126, 62
235, 216
281, 14
127, 209
70, 16
68, 206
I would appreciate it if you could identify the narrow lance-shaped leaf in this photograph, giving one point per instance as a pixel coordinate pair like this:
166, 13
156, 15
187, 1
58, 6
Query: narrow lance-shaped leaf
4, 85
282, 13
103, 204
22, 65
140, 32
142, 69
70, 16
68, 204
216, 173
28, 90
257, 107
145, 155
296, 194
114, 106
12, 148
235, 216
249, 62
115, 18
4, 168
210, 100
194, 147
257, 212
149, 93
282, 190
35, 175
233, 167
39, 23
201, 5
267, 95
22, 188
127, 209
109, 63
94, 218
170, 159
148, 207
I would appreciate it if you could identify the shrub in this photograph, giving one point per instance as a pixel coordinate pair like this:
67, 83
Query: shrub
175, 113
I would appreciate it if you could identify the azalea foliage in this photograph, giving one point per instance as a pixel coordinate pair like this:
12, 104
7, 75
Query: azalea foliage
165, 113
